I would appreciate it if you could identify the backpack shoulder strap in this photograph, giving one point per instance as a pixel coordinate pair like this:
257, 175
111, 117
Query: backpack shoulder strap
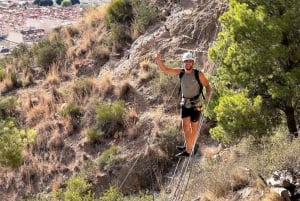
196, 72
181, 73
180, 76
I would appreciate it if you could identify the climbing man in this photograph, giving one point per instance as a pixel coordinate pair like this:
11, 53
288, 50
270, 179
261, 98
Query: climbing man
192, 82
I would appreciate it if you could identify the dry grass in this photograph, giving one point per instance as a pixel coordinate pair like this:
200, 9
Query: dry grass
69, 33
56, 141
85, 43
145, 64
82, 89
6, 85
56, 95
37, 107
272, 196
101, 52
131, 117
53, 76
106, 84
94, 16
56, 183
124, 90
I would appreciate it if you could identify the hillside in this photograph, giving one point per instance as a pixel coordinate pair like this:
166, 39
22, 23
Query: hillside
104, 113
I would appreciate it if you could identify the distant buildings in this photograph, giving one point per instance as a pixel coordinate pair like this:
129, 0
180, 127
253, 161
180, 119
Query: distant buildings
22, 22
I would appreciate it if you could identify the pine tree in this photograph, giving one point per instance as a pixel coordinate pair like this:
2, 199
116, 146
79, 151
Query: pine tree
258, 53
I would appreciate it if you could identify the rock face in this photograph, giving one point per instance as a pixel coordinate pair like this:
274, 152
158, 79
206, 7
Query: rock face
286, 183
188, 26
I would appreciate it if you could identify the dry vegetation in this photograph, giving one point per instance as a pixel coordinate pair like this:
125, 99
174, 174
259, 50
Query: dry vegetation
64, 105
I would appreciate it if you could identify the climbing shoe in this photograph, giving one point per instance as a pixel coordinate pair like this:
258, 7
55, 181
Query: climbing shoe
183, 154
180, 148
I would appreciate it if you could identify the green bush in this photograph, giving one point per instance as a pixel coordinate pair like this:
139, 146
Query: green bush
2, 74
8, 106
118, 19
66, 3
43, 2
119, 12
82, 88
78, 189
71, 110
12, 143
144, 15
94, 135
108, 159
21, 50
110, 112
169, 136
46, 52
110, 117
112, 194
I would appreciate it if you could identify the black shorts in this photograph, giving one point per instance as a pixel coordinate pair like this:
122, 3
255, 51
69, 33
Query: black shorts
190, 112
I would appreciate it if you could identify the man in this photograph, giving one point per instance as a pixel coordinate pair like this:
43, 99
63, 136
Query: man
191, 92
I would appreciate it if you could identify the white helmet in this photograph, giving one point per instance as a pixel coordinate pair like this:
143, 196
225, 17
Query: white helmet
188, 56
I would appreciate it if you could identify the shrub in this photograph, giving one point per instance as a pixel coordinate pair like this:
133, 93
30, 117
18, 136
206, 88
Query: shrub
2, 74
71, 110
118, 19
82, 88
66, 3
21, 50
7, 106
110, 116
77, 190
167, 137
119, 12
12, 143
112, 194
94, 135
43, 2
46, 52
144, 15
108, 159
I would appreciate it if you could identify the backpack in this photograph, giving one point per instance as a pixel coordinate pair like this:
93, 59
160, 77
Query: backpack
196, 73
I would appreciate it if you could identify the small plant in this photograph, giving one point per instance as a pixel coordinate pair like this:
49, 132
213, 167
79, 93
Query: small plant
82, 88
7, 106
94, 16
144, 15
71, 110
119, 12
66, 3
112, 194
118, 19
53, 76
167, 137
78, 189
94, 135
145, 64
46, 52
108, 159
12, 143
110, 116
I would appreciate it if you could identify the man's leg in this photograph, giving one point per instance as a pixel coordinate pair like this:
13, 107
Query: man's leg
187, 129
194, 132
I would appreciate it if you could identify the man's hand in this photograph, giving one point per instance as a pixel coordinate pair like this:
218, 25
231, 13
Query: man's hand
158, 57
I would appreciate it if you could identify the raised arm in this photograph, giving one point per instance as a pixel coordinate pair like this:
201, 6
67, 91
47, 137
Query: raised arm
206, 84
164, 68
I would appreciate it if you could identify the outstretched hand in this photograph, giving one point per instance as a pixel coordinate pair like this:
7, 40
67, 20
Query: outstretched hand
158, 57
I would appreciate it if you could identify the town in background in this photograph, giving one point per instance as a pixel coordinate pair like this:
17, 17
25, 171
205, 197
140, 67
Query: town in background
23, 22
